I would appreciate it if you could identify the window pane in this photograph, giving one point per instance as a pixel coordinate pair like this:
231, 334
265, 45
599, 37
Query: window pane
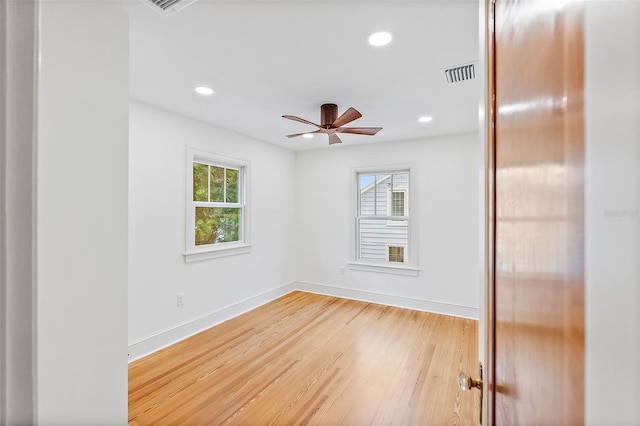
383, 194
217, 184
217, 225
400, 181
229, 225
383, 182
364, 181
200, 184
206, 229
373, 196
366, 194
232, 186
376, 234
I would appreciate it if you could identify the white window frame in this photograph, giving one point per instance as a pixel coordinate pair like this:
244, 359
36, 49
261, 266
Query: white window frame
195, 253
410, 266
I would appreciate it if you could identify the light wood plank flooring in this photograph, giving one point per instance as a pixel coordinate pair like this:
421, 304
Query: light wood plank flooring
312, 359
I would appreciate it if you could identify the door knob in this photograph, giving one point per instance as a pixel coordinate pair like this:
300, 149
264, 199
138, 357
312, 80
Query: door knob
465, 382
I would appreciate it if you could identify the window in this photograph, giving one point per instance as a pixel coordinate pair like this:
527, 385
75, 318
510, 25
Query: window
397, 205
383, 223
398, 200
395, 254
216, 207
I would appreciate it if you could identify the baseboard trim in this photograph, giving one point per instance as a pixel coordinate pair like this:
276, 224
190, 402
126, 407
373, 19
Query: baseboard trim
171, 335
392, 300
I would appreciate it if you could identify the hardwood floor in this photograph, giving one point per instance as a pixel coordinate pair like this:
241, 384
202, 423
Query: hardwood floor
311, 359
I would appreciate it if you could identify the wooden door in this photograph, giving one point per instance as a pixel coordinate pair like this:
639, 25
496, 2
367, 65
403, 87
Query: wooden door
536, 334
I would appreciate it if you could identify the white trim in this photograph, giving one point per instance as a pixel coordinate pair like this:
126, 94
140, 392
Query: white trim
19, 49
384, 168
161, 339
193, 253
443, 308
385, 268
217, 253
3, 207
210, 159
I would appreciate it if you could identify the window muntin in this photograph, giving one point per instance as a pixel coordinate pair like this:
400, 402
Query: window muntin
382, 217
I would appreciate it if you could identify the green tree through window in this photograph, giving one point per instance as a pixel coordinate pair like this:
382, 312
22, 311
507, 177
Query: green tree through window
218, 211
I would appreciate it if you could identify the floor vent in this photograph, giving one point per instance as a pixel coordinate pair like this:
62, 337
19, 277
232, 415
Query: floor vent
460, 73
169, 7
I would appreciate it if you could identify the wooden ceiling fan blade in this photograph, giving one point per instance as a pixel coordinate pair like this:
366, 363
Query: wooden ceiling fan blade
295, 135
333, 138
360, 130
347, 117
301, 120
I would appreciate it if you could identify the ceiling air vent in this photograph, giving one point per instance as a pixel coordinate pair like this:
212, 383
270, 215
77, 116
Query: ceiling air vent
460, 73
168, 7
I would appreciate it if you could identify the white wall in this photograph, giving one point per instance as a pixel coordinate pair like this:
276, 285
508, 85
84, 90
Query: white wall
612, 239
82, 153
447, 221
216, 289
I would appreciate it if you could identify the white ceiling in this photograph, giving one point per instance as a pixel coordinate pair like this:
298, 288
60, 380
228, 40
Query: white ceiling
265, 59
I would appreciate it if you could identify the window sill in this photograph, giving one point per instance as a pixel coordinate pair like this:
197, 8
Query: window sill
397, 223
217, 253
385, 269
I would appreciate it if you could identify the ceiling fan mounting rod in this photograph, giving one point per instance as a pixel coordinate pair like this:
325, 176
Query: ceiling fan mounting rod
328, 114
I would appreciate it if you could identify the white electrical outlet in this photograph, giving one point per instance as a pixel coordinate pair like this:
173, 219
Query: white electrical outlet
180, 299
342, 270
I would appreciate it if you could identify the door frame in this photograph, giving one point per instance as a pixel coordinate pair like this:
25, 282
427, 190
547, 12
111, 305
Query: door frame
488, 401
19, 48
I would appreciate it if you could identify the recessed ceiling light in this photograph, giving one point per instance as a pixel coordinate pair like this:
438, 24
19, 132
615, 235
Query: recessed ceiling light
204, 90
425, 119
307, 136
381, 38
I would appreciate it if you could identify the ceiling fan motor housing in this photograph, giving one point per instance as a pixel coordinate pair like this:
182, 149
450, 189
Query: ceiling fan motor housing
328, 114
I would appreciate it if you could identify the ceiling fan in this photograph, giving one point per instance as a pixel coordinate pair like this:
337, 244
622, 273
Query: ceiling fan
332, 124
